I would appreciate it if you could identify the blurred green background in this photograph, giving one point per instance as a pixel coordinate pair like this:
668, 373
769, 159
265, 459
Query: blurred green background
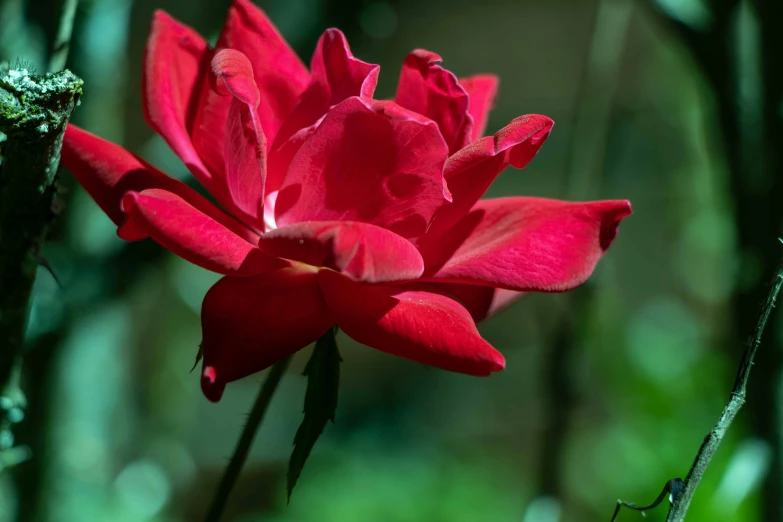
608, 391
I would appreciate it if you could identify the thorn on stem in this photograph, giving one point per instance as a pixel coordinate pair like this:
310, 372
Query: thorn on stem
48, 266
198, 358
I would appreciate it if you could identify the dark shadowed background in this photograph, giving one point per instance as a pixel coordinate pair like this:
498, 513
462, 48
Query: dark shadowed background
608, 391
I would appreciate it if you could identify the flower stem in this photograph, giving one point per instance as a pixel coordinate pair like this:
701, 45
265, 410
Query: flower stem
245, 441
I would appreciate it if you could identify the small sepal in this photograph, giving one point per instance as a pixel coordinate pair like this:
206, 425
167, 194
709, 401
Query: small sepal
323, 379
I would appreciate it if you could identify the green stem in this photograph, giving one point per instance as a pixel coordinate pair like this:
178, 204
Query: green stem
672, 488
62, 42
682, 492
737, 398
245, 441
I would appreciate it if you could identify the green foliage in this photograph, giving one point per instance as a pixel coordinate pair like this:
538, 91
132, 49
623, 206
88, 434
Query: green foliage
323, 379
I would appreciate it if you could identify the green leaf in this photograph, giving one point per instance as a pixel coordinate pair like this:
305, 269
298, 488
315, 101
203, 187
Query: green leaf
323, 379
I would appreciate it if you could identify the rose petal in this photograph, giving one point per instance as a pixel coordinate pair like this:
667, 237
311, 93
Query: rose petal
471, 171
245, 145
245, 165
481, 301
430, 90
335, 69
191, 234
364, 252
336, 76
368, 161
234, 75
282, 154
526, 243
482, 89
174, 59
250, 323
421, 326
208, 126
279, 73
108, 172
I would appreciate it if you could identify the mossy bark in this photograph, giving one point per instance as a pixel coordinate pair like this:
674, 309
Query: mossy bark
34, 111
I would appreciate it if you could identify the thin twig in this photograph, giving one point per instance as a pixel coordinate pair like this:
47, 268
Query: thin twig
245, 441
682, 492
713, 439
62, 42
671, 488
754, 164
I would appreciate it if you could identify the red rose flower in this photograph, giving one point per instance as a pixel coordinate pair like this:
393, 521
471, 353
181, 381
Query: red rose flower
331, 207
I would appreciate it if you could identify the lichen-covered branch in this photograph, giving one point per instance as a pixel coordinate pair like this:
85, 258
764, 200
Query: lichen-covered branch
34, 111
